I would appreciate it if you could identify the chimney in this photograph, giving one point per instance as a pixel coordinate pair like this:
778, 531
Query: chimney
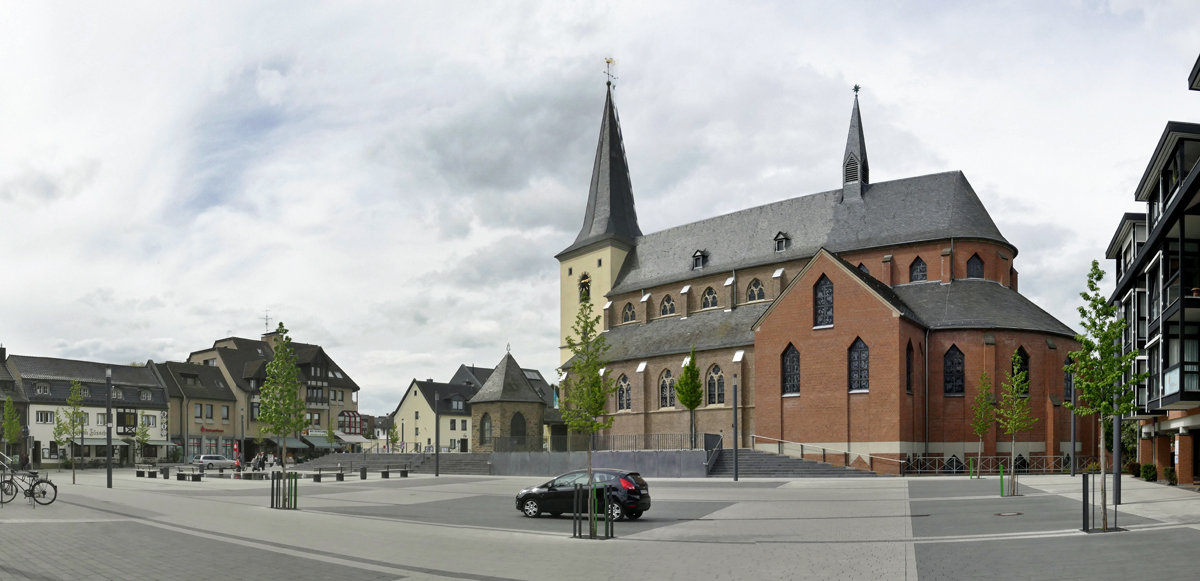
3, 354
886, 275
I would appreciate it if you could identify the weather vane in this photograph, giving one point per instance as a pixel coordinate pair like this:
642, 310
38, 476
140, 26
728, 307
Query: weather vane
609, 64
856, 88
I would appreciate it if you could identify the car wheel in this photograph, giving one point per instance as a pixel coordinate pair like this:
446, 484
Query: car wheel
210, 466
615, 512
531, 508
635, 515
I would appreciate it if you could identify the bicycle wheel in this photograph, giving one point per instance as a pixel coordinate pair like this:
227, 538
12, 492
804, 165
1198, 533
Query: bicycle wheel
8, 490
44, 492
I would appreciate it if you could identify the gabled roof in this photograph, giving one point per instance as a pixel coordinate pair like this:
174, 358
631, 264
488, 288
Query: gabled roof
507, 383
1194, 78
880, 290
479, 375
83, 371
906, 211
446, 391
207, 381
610, 213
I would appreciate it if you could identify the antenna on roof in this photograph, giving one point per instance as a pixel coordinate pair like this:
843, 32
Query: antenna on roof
609, 64
267, 321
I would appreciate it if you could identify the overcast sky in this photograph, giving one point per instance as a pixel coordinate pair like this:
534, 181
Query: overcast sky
392, 180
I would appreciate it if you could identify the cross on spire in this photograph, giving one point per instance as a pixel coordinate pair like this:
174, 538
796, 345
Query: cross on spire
856, 88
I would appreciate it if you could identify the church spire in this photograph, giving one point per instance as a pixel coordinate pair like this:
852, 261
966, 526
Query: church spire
855, 169
610, 211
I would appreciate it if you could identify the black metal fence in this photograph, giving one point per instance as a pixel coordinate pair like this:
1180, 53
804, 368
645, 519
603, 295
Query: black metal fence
587, 515
993, 464
285, 487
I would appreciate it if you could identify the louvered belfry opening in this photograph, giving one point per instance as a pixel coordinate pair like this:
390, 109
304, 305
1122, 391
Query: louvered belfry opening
851, 169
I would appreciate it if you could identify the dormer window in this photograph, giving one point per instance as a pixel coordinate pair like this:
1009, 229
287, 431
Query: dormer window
781, 242
145, 395
456, 404
699, 259
117, 394
84, 392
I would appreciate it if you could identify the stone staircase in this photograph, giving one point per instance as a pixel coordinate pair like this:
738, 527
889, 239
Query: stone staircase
457, 463
353, 462
759, 464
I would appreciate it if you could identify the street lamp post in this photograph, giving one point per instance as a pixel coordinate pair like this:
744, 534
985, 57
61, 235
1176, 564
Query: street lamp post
108, 418
437, 434
242, 448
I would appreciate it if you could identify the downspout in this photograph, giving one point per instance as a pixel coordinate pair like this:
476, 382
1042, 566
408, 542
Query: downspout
926, 451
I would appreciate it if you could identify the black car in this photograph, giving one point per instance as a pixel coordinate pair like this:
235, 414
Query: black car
629, 494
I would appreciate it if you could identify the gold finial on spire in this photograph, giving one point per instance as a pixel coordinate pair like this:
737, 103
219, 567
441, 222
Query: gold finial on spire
609, 64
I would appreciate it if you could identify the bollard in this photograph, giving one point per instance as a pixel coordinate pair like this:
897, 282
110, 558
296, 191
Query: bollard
362, 473
1001, 481
1085, 502
166, 473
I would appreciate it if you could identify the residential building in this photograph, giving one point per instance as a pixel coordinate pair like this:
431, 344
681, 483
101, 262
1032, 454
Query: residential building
329, 392
137, 398
415, 416
859, 318
8, 389
1157, 287
204, 414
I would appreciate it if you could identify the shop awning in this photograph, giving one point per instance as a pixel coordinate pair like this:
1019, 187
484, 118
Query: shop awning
319, 442
352, 438
101, 442
160, 443
291, 442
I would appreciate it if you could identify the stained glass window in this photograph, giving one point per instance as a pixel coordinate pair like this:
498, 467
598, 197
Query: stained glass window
666, 390
975, 267
953, 372
667, 307
916, 271
791, 370
860, 366
823, 302
756, 292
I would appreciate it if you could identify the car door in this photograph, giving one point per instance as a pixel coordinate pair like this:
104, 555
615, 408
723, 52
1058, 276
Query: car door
561, 493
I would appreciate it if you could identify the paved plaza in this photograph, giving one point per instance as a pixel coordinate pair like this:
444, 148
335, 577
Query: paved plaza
460, 527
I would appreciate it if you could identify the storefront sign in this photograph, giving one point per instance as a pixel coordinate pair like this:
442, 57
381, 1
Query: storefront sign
214, 430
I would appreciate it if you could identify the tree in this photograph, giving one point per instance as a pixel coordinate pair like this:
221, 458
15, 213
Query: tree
1015, 413
983, 414
1099, 368
586, 388
142, 438
12, 423
69, 422
281, 408
689, 392
393, 436
330, 437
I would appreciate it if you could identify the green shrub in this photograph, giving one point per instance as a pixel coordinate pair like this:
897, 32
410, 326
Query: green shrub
1134, 469
1169, 474
1149, 473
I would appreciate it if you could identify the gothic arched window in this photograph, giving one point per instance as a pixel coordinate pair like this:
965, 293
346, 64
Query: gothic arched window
975, 267
1021, 365
756, 292
953, 372
916, 270
716, 385
585, 287
790, 365
908, 367
667, 307
628, 315
622, 392
823, 302
666, 390
859, 366
485, 429
709, 300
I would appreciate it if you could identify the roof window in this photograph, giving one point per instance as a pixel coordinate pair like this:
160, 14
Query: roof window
699, 259
782, 241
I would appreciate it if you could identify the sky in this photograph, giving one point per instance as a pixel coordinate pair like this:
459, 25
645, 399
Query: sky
392, 180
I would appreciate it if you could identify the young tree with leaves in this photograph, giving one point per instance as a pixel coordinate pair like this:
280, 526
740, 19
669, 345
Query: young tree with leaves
689, 392
1015, 413
586, 387
71, 420
281, 407
983, 414
12, 424
330, 437
1099, 367
393, 436
142, 438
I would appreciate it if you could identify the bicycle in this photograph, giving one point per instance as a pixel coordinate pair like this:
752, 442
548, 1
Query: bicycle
36, 489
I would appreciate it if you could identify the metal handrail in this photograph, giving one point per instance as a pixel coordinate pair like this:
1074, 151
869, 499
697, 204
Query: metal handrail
713, 455
823, 449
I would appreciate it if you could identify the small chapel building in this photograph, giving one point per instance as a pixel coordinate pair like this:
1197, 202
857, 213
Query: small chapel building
858, 319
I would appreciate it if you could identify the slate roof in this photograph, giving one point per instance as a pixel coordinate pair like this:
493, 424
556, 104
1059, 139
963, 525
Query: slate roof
706, 330
447, 391
210, 381
507, 383
932, 207
250, 357
480, 375
59, 373
610, 211
977, 304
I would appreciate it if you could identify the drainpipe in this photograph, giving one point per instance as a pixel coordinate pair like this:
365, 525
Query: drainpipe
926, 451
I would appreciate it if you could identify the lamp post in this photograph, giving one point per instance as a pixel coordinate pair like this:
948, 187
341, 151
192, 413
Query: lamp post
437, 434
242, 448
735, 433
1072, 430
108, 418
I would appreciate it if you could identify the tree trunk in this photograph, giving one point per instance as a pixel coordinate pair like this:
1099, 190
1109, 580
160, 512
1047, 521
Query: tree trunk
1103, 495
591, 494
693, 417
979, 460
1012, 461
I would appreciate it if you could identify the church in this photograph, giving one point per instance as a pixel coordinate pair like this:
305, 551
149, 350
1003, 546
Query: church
858, 319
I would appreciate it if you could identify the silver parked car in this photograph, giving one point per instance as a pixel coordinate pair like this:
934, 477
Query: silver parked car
213, 461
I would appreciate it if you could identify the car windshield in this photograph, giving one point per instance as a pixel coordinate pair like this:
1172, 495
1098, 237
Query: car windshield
567, 480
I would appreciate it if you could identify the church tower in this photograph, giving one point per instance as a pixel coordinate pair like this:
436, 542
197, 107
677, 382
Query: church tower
588, 268
855, 169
